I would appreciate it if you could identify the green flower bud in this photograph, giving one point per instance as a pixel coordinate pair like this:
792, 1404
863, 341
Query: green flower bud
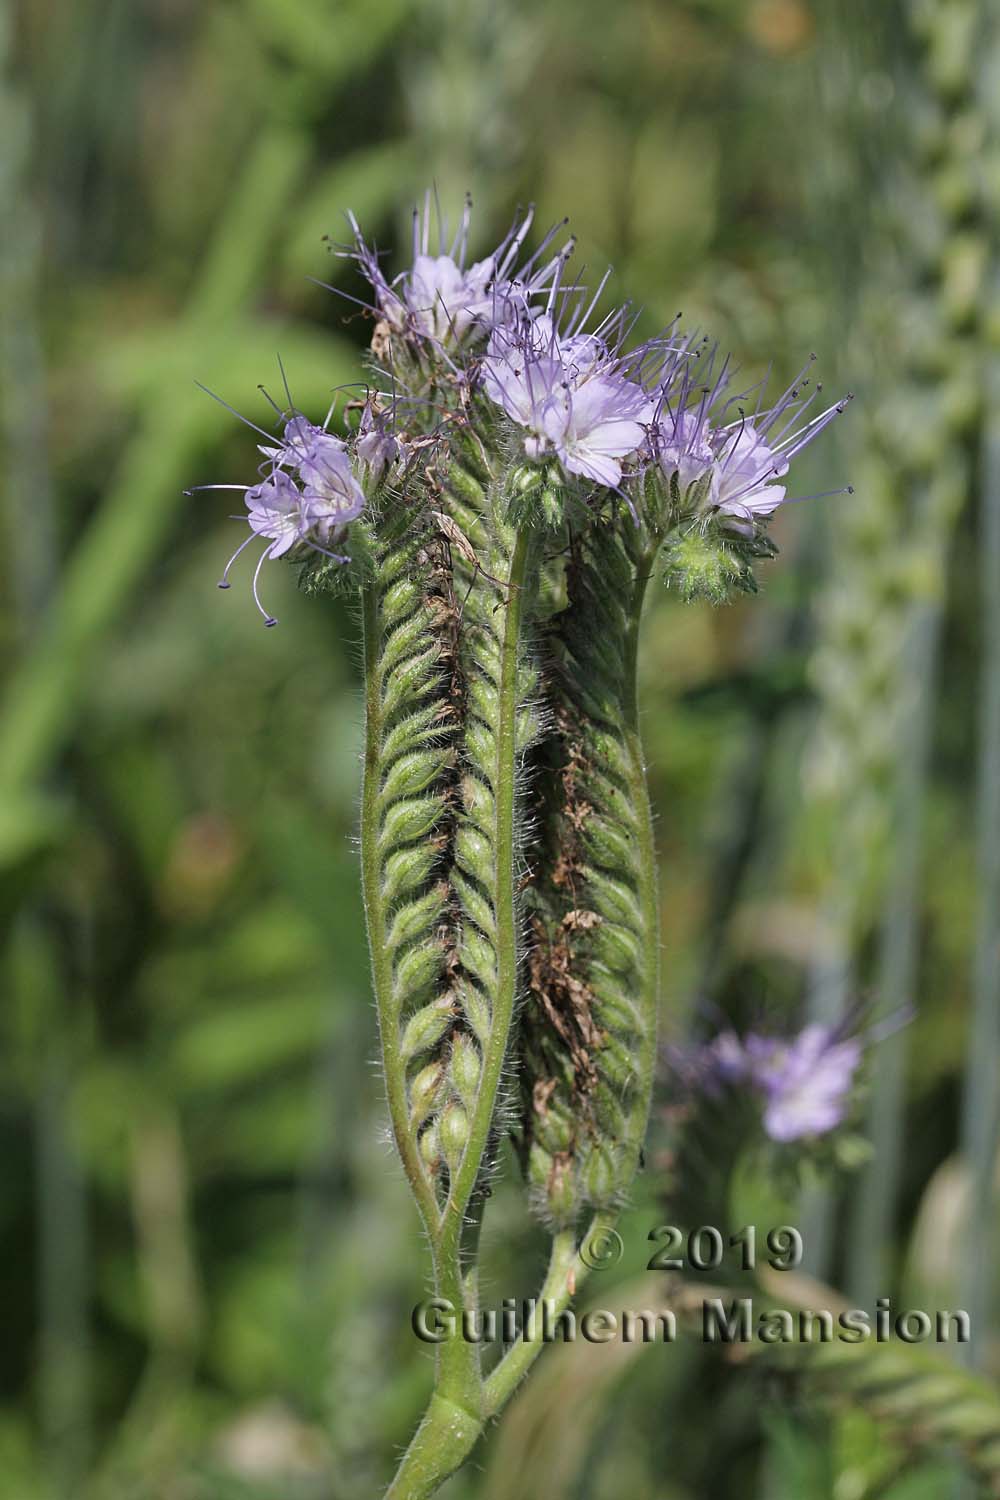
702, 566
430, 1146
616, 947
453, 1134
412, 774
600, 1176
417, 918
561, 1197
406, 822
425, 1029
425, 1089
407, 870
617, 1063
473, 850
608, 844
465, 1068
554, 1128
415, 972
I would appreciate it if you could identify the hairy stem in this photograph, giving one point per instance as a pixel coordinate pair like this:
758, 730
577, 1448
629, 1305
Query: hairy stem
441, 1444
565, 1275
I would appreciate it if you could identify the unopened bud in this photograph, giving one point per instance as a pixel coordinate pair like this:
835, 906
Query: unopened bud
430, 1146
426, 1028
600, 1176
424, 1091
465, 1068
453, 1133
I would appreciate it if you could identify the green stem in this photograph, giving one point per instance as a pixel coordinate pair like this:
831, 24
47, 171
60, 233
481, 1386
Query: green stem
566, 1274
392, 1066
442, 1442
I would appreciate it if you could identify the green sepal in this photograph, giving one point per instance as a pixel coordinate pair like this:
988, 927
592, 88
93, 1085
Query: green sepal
322, 575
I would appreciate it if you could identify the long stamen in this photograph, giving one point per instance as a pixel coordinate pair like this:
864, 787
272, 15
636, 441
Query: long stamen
268, 619
460, 244
270, 400
337, 556
234, 412
224, 580
193, 489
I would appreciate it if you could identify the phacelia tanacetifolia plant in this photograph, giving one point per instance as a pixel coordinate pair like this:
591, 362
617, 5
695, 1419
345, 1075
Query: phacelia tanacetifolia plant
498, 502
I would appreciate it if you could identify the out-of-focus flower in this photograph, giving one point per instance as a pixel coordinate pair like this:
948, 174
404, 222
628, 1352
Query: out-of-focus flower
806, 1083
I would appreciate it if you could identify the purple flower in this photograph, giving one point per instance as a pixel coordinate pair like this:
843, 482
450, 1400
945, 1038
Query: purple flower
303, 444
278, 510
682, 447
307, 495
735, 462
377, 448
568, 391
742, 475
727, 1056
330, 494
711, 1067
806, 1083
441, 299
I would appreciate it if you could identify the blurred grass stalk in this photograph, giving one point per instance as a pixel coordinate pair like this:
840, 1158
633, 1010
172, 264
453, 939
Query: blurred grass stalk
35, 965
981, 1102
875, 665
121, 542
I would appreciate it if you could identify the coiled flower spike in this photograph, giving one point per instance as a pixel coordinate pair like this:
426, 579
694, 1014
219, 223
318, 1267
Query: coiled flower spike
507, 852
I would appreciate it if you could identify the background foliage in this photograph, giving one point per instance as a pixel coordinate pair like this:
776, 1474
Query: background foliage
210, 1251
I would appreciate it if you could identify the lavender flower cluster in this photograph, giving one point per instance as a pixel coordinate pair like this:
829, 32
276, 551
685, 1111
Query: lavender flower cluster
516, 333
803, 1083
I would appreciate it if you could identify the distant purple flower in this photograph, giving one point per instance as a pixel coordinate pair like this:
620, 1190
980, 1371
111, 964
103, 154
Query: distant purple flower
710, 1067
728, 1057
806, 1083
735, 461
441, 299
569, 393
